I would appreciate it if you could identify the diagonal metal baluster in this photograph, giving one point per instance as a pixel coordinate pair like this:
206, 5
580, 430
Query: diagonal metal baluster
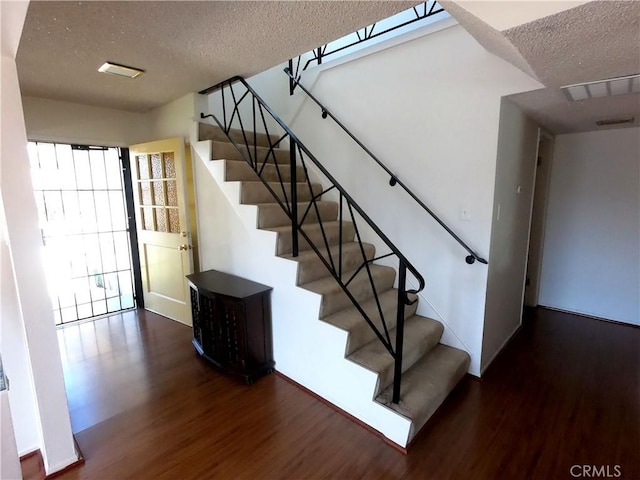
280, 179
320, 222
371, 282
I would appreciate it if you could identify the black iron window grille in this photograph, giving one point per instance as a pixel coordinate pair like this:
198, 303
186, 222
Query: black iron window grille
79, 193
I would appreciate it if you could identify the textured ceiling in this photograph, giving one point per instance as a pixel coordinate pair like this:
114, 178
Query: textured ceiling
550, 108
592, 41
182, 46
187, 46
503, 15
490, 38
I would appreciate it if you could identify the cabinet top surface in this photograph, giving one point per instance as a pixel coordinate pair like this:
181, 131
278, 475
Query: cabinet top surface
225, 284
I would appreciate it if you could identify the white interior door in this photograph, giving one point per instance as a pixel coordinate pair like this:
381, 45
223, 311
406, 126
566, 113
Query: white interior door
538, 218
159, 190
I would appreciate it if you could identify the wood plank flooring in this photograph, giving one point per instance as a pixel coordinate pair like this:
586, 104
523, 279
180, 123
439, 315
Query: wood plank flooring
565, 392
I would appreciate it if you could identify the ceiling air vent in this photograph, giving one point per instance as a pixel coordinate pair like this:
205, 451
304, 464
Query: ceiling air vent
603, 88
122, 70
615, 121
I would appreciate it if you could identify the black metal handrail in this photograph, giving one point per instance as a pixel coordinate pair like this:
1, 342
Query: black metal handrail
429, 9
394, 180
247, 144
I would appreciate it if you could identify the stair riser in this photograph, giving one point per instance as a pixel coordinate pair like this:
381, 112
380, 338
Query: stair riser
409, 357
262, 139
314, 268
455, 378
238, 171
284, 239
275, 216
253, 193
360, 288
427, 384
363, 333
227, 151
213, 132
429, 371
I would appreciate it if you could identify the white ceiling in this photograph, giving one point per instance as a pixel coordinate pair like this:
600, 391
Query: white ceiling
183, 46
503, 15
187, 46
582, 43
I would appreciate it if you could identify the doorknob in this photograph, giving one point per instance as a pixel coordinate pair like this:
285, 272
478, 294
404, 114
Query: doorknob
183, 234
184, 247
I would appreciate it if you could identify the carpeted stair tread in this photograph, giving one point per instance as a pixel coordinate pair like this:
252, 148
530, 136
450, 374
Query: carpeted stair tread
334, 298
430, 370
426, 384
228, 151
360, 333
272, 214
255, 192
420, 335
311, 267
238, 170
314, 231
215, 133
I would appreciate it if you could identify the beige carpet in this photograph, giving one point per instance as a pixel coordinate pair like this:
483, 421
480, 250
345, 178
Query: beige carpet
430, 370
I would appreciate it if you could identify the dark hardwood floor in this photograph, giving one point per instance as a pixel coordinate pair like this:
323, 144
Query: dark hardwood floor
565, 392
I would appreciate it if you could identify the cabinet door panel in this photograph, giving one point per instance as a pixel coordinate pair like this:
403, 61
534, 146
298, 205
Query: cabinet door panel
195, 313
210, 326
233, 334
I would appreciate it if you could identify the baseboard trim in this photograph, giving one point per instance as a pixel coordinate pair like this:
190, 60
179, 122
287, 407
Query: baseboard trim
586, 315
484, 369
43, 474
37, 455
471, 376
30, 454
435, 418
75, 464
337, 409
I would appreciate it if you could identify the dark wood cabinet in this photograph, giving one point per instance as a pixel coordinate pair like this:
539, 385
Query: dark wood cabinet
232, 323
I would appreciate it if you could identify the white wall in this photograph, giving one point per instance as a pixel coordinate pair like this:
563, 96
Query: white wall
591, 256
10, 465
429, 108
21, 238
307, 350
13, 346
64, 122
513, 197
175, 119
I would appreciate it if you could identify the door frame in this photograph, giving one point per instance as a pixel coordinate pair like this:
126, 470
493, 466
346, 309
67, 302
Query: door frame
133, 231
541, 202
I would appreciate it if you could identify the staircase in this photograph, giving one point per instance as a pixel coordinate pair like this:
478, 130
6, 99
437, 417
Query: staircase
430, 369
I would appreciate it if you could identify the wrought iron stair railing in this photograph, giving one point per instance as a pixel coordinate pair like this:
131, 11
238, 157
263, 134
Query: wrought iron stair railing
242, 109
393, 180
419, 12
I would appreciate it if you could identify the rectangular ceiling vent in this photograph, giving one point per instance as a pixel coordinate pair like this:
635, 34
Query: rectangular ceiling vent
121, 70
603, 88
615, 121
